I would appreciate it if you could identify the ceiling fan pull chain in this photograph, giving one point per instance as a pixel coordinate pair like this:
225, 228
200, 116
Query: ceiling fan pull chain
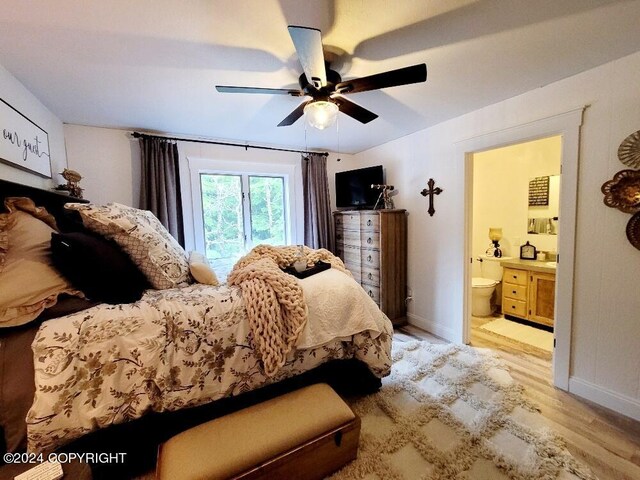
338, 135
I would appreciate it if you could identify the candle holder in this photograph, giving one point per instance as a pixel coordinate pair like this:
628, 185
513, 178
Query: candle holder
495, 235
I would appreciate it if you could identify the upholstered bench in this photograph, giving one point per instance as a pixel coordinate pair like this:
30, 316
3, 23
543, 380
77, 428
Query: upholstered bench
305, 434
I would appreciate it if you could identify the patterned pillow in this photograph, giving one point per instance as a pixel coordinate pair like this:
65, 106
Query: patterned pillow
139, 233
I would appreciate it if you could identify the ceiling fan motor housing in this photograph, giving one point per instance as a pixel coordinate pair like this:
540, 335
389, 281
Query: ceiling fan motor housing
320, 93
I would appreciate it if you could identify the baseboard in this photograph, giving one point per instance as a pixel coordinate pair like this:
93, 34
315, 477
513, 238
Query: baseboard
437, 329
607, 398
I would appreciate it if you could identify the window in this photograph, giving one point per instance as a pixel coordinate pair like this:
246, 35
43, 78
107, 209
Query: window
237, 210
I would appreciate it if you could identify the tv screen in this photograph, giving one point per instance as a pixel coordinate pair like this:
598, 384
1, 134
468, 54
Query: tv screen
353, 187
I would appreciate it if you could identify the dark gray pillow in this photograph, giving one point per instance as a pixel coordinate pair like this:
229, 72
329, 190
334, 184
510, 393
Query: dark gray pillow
97, 267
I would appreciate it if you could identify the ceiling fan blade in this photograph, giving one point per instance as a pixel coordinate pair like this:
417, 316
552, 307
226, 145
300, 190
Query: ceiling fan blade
392, 78
294, 116
353, 110
271, 91
308, 43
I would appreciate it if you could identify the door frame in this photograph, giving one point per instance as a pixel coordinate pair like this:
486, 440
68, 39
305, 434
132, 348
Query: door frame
567, 125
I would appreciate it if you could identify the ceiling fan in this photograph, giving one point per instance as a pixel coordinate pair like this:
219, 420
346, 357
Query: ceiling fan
325, 86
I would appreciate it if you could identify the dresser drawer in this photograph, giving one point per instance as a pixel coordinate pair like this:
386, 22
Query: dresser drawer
351, 255
518, 277
371, 276
350, 221
516, 292
514, 307
350, 238
373, 292
370, 258
370, 222
369, 239
355, 270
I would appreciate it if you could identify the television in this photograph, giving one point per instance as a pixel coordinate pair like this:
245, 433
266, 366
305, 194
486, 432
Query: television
353, 187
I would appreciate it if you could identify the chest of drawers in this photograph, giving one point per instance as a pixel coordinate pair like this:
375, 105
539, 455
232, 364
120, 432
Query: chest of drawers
373, 246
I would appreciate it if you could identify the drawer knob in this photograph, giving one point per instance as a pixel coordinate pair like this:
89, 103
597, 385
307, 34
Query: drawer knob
370, 276
369, 240
369, 258
369, 223
515, 276
370, 293
513, 306
514, 291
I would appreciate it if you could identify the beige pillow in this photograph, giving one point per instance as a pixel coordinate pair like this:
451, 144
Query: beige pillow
201, 270
141, 235
28, 281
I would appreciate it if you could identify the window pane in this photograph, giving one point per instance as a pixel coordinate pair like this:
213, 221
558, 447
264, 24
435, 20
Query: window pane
267, 210
223, 222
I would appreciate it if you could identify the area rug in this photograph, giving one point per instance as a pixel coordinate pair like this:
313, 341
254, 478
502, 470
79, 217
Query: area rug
454, 412
534, 340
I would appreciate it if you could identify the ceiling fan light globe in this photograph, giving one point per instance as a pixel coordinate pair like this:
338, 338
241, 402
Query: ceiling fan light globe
321, 114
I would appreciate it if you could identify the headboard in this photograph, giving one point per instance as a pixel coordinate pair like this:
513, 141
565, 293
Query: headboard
49, 199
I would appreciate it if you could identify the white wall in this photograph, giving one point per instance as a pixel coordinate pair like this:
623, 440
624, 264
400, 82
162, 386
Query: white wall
500, 194
108, 160
605, 357
15, 94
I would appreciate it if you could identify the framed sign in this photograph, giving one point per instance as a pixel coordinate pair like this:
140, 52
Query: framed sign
539, 192
23, 144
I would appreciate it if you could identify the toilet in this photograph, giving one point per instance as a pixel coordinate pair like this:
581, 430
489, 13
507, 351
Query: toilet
482, 288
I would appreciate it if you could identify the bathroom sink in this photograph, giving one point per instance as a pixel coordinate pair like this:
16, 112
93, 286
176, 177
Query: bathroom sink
551, 264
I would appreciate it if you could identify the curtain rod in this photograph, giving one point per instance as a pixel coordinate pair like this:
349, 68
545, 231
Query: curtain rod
211, 142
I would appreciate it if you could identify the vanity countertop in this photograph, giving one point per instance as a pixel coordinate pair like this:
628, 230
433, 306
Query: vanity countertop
533, 265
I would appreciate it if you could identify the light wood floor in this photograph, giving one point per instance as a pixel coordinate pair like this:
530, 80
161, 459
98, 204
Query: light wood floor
606, 441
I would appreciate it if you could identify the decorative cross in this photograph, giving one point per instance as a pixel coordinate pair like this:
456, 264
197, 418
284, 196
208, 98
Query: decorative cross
431, 192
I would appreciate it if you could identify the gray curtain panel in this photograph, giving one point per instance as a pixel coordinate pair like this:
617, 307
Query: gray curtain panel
160, 185
317, 205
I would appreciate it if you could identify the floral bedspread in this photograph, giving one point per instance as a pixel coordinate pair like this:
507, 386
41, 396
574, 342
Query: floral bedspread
173, 349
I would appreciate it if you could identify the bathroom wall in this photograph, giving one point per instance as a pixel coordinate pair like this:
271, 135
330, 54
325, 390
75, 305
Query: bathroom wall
500, 194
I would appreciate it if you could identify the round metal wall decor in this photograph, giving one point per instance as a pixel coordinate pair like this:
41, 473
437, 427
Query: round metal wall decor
623, 192
629, 150
633, 230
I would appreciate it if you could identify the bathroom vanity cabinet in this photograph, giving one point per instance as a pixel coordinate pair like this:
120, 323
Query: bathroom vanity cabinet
373, 246
528, 291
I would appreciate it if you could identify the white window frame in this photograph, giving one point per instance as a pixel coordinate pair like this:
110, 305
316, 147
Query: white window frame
199, 166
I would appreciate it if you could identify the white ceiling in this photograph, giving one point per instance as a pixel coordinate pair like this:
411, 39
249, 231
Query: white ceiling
153, 64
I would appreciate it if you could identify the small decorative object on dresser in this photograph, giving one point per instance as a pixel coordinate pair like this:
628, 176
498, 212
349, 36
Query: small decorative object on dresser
385, 196
373, 246
528, 252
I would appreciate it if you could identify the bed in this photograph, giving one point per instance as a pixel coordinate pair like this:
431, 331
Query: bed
124, 377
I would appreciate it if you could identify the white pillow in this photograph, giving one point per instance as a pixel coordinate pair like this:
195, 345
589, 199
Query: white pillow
141, 235
201, 270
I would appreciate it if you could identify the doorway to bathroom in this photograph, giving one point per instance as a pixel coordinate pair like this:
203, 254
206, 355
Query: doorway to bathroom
567, 126
515, 213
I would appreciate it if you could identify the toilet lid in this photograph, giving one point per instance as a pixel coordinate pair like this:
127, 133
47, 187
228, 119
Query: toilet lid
482, 282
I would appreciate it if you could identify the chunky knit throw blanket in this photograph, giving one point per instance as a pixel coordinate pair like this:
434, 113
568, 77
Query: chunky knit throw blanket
274, 299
